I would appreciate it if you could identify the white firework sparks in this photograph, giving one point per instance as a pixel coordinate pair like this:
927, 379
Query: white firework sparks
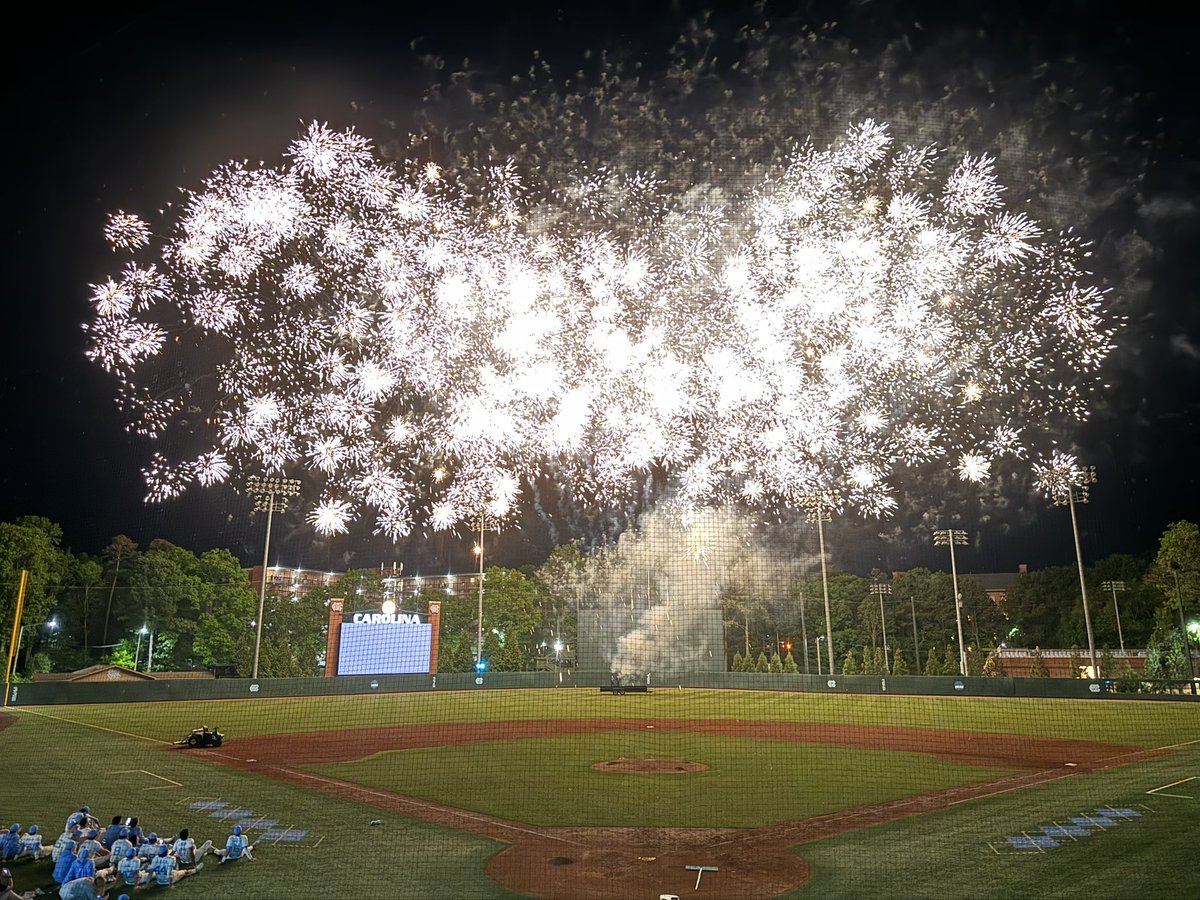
424, 344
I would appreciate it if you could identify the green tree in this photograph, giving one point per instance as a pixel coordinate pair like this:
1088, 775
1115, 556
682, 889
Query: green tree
993, 666
120, 551
878, 662
850, 665
762, 665
293, 638
1038, 669
226, 605
511, 612
562, 581
1108, 665
776, 664
975, 660
951, 665
933, 663
1128, 682
79, 602
1076, 662
1165, 657
31, 543
1044, 607
737, 661
789, 664
899, 664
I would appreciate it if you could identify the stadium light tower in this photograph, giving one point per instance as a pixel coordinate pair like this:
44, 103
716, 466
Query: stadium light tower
881, 588
1115, 586
479, 624
1187, 643
951, 537
1072, 489
820, 511
271, 495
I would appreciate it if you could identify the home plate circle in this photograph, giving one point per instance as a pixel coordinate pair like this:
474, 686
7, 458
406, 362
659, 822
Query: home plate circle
649, 766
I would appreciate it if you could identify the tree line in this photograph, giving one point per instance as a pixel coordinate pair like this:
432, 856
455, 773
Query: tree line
172, 609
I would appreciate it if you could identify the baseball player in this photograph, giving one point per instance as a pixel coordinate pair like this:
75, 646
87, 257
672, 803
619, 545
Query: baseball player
185, 850
10, 842
130, 868
166, 867
31, 845
120, 845
236, 847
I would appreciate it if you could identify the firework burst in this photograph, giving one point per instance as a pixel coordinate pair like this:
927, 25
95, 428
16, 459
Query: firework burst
423, 344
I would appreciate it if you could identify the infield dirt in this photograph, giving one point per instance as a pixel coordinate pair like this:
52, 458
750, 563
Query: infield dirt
589, 862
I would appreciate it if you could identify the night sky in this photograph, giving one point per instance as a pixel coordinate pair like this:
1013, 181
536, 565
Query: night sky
121, 110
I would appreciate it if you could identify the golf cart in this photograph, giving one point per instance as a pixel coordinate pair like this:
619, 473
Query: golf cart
202, 737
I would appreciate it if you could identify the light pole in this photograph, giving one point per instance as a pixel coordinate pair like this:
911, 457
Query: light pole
1115, 586
52, 624
916, 640
1071, 487
138, 652
951, 537
1187, 643
880, 588
819, 512
270, 494
479, 636
804, 630
820, 637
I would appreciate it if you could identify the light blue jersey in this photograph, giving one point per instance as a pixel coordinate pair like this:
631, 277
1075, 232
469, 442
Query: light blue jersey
120, 845
79, 889
162, 867
185, 851
236, 846
31, 844
130, 869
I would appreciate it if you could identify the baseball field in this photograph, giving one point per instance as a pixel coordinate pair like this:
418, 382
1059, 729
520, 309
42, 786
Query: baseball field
574, 793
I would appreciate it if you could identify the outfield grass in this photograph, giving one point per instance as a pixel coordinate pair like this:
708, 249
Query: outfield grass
53, 759
1140, 723
947, 853
550, 781
49, 768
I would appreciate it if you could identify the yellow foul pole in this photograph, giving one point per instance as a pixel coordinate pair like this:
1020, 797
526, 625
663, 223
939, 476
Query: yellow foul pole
16, 630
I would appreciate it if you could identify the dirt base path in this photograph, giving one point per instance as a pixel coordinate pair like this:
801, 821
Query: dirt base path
584, 863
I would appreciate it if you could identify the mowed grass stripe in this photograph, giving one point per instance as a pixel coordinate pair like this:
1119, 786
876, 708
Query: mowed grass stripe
1139, 723
946, 853
51, 767
748, 783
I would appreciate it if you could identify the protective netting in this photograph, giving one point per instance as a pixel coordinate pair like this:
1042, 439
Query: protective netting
658, 716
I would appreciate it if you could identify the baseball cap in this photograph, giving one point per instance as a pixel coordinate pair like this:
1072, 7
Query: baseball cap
124, 832
237, 829
162, 851
152, 836
85, 852
93, 833
33, 829
129, 853
14, 827
85, 809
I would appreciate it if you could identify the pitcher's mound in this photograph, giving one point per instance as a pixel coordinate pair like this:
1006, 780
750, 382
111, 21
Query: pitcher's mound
649, 766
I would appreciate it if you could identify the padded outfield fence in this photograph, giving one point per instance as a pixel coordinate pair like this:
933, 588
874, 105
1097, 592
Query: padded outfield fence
54, 693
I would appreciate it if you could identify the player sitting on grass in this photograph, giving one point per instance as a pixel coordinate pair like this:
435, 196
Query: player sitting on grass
236, 847
66, 859
185, 850
80, 889
120, 845
10, 842
112, 832
96, 850
83, 820
149, 849
82, 867
31, 845
167, 870
67, 837
130, 869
